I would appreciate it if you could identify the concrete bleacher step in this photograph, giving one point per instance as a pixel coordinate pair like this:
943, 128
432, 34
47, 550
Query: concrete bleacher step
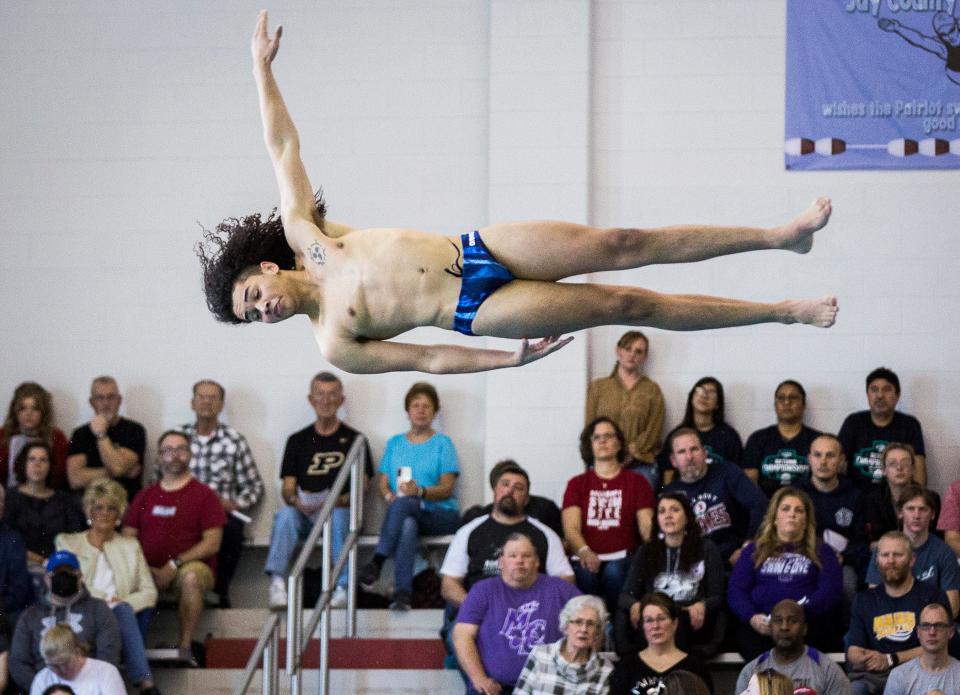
397, 653
246, 623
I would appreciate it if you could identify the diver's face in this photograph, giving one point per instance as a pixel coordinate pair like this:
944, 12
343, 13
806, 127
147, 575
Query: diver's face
263, 296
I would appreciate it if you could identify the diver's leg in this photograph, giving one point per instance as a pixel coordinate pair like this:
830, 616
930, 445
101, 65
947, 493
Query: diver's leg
526, 309
549, 250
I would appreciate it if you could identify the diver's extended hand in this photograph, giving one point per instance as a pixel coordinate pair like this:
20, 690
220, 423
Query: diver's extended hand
263, 47
531, 352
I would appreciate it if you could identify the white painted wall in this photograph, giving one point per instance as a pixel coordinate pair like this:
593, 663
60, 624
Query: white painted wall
125, 124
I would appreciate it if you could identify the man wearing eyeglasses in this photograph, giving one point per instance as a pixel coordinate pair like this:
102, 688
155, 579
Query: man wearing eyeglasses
179, 522
109, 446
884, 619
807, 667
934, 669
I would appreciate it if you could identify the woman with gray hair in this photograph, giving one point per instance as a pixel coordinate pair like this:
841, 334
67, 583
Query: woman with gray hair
67, 663
116, 571
571, 666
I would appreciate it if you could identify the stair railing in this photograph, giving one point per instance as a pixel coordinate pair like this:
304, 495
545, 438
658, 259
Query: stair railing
265, 653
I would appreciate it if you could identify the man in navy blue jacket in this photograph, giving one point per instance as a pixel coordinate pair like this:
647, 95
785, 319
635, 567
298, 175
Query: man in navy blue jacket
729, 507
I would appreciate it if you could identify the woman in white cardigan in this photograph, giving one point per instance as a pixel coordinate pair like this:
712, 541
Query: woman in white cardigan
115, 570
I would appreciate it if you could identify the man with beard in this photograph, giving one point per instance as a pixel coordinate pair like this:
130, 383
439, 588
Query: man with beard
934, 561
729, 508
884, 618
66, 601
807, 667
503, 618
474, 552
934, 669
179, 522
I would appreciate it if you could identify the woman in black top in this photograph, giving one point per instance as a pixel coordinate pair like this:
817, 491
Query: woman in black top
682, 564
643, 672
38, 511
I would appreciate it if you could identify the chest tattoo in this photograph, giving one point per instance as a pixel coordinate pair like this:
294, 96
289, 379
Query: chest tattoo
318, 253
456, 268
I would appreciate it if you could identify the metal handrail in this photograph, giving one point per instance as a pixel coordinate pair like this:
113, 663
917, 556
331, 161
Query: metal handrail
265, 652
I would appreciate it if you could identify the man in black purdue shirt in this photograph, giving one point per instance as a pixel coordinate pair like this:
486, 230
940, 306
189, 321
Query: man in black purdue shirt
474, 552
311, 462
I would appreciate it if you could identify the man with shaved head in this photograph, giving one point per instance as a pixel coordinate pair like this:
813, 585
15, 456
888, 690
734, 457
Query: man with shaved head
807, 667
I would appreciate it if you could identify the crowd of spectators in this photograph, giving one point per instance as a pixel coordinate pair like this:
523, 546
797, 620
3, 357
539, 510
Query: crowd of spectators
798, 545
661, 554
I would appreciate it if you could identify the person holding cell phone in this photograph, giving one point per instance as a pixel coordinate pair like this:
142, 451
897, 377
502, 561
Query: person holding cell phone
417, 474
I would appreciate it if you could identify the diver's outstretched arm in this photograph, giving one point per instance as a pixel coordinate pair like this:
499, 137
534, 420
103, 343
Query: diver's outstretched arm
378, 356
297, 203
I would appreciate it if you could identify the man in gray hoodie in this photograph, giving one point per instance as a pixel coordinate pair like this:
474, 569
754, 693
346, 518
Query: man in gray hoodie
66, 601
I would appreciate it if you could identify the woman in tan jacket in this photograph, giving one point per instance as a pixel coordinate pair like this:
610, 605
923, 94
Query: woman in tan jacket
115, 570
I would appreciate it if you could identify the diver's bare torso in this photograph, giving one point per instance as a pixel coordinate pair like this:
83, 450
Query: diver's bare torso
378, 283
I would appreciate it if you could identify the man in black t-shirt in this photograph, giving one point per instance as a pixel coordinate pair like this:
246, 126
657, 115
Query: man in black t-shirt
109, 446
312, 460
865, 434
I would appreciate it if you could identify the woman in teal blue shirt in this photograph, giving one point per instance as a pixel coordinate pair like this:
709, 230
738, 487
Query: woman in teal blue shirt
418, 472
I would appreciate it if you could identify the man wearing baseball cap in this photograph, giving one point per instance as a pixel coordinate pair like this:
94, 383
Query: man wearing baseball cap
65, 601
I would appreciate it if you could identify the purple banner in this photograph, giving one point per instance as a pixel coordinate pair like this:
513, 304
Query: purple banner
873, 84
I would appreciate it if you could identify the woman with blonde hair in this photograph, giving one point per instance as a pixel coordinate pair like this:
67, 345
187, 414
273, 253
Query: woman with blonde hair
29, 418
67, 663
786, 560
115, 570
769, 682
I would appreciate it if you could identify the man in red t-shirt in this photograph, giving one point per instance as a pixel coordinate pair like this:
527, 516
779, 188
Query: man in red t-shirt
179, 522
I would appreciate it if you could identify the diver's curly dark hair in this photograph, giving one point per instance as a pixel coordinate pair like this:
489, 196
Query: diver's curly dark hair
237, 245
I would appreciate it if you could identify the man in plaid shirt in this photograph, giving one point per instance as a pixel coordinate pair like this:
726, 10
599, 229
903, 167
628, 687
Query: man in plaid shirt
221, 459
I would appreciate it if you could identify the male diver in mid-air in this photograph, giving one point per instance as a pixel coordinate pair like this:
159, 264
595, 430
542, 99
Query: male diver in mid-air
362, 287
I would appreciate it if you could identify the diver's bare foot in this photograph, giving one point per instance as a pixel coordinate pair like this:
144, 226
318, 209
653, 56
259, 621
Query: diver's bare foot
820, 312
797, 235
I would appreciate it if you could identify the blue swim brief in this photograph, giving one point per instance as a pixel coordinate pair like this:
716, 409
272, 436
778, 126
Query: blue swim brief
482, 276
